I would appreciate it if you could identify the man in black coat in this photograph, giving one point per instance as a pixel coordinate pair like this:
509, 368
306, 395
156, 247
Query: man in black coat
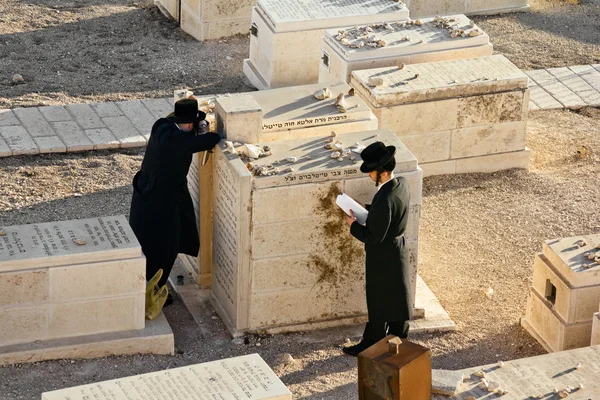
162, 213
387, 273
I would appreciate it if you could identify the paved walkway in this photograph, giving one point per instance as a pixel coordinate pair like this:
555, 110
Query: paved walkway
80, 127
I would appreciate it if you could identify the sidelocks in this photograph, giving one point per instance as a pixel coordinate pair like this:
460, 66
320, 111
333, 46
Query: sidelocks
155, 296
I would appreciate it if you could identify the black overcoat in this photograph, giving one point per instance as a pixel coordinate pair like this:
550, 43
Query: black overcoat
162, 213
387, 270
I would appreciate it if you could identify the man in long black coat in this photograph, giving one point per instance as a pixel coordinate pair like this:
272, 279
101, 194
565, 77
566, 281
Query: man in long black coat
162, 213
387, 273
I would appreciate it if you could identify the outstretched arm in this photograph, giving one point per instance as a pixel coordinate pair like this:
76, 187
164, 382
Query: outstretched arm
377, 225
194, 144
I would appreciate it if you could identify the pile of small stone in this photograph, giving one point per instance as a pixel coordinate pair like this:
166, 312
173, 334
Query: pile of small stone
450, 24
338, 151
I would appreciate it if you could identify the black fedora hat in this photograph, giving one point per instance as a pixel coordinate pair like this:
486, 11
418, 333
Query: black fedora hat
186, 111
376, 155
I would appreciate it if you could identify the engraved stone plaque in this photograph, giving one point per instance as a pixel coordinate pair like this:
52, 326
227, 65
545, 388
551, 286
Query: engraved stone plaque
67, 242
247, 377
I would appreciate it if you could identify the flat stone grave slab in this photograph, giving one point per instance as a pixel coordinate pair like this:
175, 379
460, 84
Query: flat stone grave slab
246, 377
570, 260
302, 15
53, 244
537, 377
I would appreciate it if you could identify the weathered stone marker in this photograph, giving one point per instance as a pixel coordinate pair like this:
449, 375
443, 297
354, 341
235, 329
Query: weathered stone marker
246, 377
394, 371
63, 282
565, 293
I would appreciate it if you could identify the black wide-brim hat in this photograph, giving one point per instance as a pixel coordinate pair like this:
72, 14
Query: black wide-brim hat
186, 111
376, 155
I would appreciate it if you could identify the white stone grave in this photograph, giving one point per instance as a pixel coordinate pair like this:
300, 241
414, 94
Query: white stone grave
209, 19
431, 8
413, 43
537, 377
246, 377
565, 294
459, 116
286, 36
74, 289
283, 257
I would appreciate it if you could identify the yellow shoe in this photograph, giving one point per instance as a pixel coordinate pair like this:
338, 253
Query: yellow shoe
157, 304
151, 288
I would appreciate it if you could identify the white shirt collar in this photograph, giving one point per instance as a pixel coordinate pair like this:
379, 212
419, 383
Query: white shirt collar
391, 179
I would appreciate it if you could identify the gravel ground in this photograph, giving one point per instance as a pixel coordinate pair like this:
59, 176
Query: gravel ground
478, 231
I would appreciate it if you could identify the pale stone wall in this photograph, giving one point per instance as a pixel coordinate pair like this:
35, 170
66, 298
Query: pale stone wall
596, 330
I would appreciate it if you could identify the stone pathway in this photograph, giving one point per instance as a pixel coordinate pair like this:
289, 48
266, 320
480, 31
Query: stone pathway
568, 87
80, 127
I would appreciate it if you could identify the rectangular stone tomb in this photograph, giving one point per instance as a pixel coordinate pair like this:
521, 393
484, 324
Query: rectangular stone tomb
431, 8
69, 279
459, 116
537, 377
290, 113
286, 36
387, 45
209, 19
283, 258
565, 293
246, 377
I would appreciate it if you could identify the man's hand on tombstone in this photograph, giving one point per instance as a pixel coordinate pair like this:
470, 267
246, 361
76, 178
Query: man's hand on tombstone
350, 218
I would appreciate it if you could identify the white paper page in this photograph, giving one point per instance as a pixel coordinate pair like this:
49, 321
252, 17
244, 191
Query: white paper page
347, 203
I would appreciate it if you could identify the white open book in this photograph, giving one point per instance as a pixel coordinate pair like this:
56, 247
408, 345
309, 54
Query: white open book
347, 203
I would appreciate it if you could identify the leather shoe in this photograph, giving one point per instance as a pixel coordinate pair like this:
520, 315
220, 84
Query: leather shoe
355, 350
169, 301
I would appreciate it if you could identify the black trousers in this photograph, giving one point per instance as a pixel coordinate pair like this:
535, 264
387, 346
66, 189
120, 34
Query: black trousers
375, 331
152, 268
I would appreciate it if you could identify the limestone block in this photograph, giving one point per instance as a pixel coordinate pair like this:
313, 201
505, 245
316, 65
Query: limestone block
8, 118
22, 324
493, 162
124, 131
106, 110
446, 382
411, 119
101, 280
85, 116
488, 139
273, 204
526, 105
301, 71
586, 302
55, 113
363, 189
72, 136
491, 109
170, 6
191, 23
102, 138
453, 54
33, 120
596, 330
293, 272
159, 108
545, 275
568, 259
430, 8
50, 144
18, 140
283, 238
139, 116
23, 287
194, 6
494, 6
239, 118
429, 147
96, 316
438, 168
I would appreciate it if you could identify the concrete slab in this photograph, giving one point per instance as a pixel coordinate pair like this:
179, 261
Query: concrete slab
159, 108
155, 338
577, 85
8, 118
72, 136
106, 110
35, 123
139, 116
446, 382
50, 144
533, 106
543, 99
102, 138
18, 140
124, 131
557, 89
55, 113
85, 116
5, 150
589, 74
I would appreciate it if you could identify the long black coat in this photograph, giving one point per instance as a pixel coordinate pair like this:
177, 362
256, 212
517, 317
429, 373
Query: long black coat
162, 213
387, 273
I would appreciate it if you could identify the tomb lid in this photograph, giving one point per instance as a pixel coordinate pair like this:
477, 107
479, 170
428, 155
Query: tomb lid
59, 243
406, 39
439, 80
537, 377
571, 261
295, 107
302, 15
246, 377
314, 163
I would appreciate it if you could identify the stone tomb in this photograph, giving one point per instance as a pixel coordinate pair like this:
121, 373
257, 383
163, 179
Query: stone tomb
74, 289
246, 377
286, 36
537, 377
209, 19
407, 43
431, 8
596, 329
283, 258
564, 295
458, 116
